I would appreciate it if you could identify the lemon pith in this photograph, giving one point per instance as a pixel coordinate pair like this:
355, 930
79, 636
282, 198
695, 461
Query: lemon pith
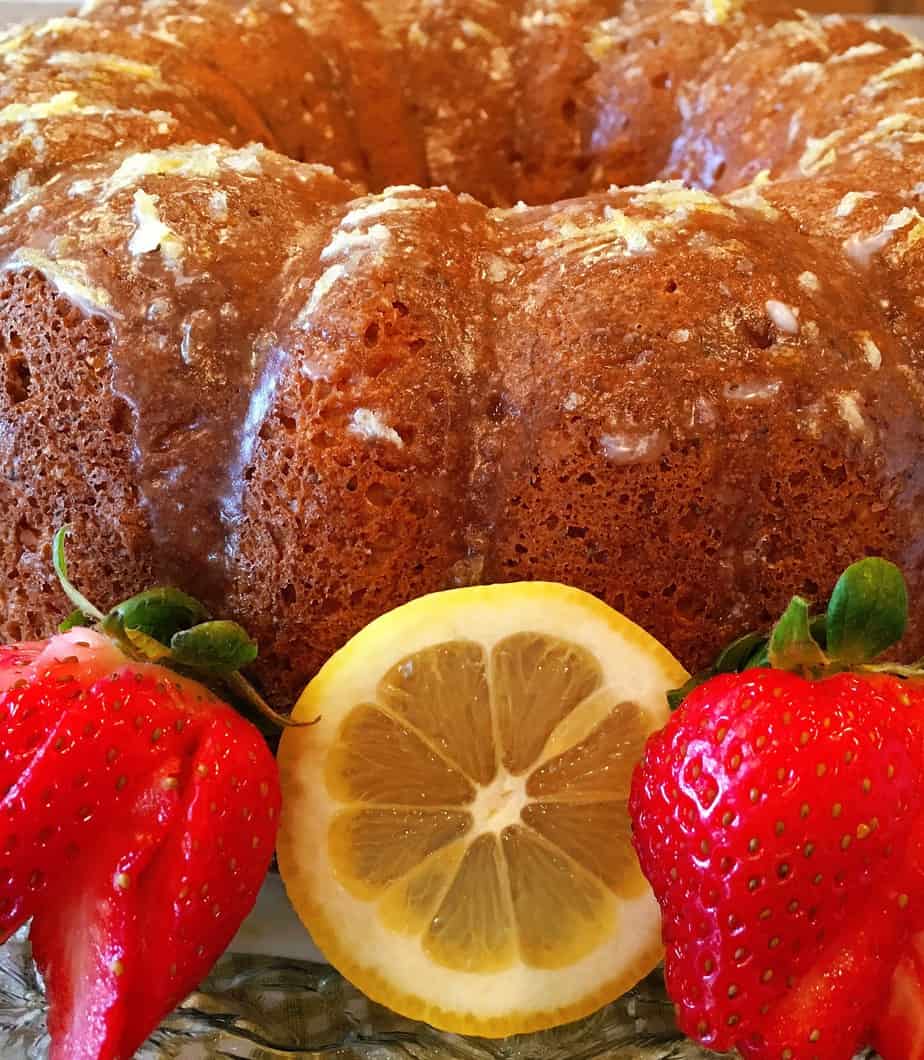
455, 833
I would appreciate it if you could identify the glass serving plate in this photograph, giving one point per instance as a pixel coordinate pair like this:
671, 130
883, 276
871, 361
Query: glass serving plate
268, 1008
292, 1006
272, 997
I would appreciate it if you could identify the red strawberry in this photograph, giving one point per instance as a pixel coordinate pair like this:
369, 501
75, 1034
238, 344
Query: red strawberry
899, 1031
771, 818
137, 821
899, 1034
776, 817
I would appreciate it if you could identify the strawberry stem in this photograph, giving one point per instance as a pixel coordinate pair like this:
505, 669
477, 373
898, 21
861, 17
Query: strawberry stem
59, 559
239, 684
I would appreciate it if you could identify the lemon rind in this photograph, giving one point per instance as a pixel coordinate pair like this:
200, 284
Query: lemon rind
430, 620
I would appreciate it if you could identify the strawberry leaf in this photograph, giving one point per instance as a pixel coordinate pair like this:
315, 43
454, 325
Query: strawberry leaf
737, 655
158, 613
217, 647
760, 657
734, 658
147, 646
677, 695
792, 646
868, 611
818, 624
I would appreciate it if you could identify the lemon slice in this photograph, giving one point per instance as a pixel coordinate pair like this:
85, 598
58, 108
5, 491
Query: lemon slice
455, 833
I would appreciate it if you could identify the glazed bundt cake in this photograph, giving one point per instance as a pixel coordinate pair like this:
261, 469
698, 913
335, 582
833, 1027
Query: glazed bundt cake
313, 306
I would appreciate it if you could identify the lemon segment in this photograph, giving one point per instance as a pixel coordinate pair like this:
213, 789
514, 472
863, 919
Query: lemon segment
377, 759
455, 833
472, 929
562, 912
365, 855
542, 679
595, 836
409, 906
443, 692
600, 765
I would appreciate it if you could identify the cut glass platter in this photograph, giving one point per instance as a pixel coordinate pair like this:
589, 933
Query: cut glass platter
271, 997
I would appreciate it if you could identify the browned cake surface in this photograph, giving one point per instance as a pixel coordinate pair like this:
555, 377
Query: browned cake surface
309, 392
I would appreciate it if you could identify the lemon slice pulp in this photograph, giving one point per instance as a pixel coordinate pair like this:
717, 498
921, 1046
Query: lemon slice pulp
455, 834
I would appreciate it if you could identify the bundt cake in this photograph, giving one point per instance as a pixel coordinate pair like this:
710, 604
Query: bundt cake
313, 306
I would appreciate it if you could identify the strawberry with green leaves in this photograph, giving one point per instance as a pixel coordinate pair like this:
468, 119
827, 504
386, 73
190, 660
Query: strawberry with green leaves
780, 820
138, 812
